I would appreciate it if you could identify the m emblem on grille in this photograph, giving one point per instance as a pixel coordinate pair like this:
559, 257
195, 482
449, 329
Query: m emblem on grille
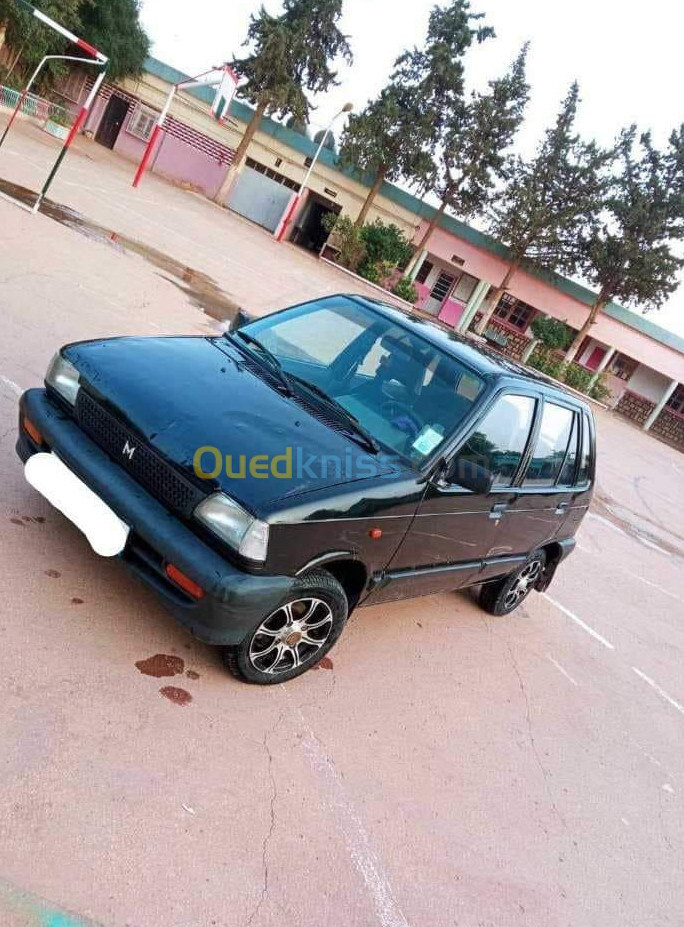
128, 450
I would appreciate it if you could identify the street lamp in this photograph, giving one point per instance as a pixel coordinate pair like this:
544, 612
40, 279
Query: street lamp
296, 199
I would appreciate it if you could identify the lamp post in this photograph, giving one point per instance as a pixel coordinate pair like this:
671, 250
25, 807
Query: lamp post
296, 199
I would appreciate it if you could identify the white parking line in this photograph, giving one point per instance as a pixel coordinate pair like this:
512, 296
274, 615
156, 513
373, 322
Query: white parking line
661, 692
608, 524
387, 910
560, 669
16, 389
582, 624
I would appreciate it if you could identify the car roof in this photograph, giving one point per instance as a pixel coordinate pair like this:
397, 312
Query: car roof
480, 358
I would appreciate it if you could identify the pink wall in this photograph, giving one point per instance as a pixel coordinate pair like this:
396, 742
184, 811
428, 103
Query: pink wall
182, 162
553, 302
423, 292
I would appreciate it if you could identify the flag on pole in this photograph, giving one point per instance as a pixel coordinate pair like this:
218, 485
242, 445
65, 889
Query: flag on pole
224, 93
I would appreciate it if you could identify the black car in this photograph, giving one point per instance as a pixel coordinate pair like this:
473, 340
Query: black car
335, 454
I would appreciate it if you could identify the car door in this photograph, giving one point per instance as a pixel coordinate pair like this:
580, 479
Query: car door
455, 529
543, 491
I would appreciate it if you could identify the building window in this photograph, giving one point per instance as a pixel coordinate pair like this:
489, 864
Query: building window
514, 312
623, 367
273, 175
676, 401
142, 122
424, 271
72, 87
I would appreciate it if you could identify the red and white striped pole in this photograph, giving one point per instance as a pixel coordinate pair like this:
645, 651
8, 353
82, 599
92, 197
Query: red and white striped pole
156, 132
80, 119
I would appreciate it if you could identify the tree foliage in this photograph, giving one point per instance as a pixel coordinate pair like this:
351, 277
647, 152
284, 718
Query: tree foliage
627, 254
395, 135
114, 27
329, 142
290, 55
548, 201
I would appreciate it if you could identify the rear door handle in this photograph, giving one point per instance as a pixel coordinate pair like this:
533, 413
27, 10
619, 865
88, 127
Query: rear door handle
498, 510
562, 508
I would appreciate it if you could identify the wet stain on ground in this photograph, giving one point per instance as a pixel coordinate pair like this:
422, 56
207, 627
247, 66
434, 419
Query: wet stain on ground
53, 574
176, 695
18, 521
76, 601
191, 674
201, 289
161, 664
324, 663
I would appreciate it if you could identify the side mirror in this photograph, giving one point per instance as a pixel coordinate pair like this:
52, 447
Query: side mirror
239, 320
470, 475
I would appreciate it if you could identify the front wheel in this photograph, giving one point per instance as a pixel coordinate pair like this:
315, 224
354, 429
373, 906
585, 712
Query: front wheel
504, 595
293, 637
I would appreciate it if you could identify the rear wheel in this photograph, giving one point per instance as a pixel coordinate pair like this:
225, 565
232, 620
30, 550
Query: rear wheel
295, 635
505, 595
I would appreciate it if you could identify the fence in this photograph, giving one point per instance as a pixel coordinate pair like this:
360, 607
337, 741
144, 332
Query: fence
34, 106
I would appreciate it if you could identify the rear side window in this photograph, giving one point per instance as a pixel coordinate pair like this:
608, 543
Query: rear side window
500, 439
551, 446
585, 458
567, 476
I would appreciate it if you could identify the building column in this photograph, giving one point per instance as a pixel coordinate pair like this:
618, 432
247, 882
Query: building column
527, 353
672, 386
605, 360
476, 299
419, 263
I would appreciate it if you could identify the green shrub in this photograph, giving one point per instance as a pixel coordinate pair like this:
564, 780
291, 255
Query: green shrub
405, 289
577, 377
553, 334
346, 238
546, 362
600, 391
386, 243
370, 270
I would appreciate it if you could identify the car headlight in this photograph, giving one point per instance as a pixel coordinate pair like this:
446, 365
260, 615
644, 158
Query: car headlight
63, 377
229, 521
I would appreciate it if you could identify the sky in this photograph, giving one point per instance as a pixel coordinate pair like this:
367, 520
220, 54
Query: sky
626, 56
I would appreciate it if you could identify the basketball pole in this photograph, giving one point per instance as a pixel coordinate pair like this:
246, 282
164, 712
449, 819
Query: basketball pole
80, 119
27, 88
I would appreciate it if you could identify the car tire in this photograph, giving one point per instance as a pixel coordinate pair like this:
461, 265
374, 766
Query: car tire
504, 595
316, 609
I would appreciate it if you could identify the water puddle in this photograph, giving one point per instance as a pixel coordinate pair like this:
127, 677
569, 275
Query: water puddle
201, 289
176, 695
161, 664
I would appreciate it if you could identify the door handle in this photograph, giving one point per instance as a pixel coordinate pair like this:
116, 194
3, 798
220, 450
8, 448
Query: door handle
562, 508
498, 510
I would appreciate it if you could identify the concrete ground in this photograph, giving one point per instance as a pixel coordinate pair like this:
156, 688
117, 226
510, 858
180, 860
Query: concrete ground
445, 768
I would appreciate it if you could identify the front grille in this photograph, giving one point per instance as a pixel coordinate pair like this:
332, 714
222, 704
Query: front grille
145, 465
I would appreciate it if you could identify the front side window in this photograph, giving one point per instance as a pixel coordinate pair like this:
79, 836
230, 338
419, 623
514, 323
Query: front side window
405, 391
499, 440
551, 446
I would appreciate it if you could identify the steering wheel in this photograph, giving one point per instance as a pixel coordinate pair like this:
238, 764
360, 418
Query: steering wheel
402, 417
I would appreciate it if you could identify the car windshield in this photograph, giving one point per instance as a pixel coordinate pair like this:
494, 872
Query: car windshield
404, 391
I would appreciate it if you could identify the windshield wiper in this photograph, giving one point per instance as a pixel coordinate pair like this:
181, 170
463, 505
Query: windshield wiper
273, 363
342, 413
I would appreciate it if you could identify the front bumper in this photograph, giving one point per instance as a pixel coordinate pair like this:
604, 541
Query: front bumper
235, 601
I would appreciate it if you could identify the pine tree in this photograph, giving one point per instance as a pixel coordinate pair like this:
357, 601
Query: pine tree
628, 254
547, 202
396, 133
476, 133
290, 55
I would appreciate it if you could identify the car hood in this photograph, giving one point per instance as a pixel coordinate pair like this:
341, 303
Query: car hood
184, 393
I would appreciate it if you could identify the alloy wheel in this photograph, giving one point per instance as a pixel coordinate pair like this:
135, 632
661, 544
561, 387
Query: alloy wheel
525, 580
291, 636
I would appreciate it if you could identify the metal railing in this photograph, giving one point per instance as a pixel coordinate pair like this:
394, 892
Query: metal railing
34, 106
